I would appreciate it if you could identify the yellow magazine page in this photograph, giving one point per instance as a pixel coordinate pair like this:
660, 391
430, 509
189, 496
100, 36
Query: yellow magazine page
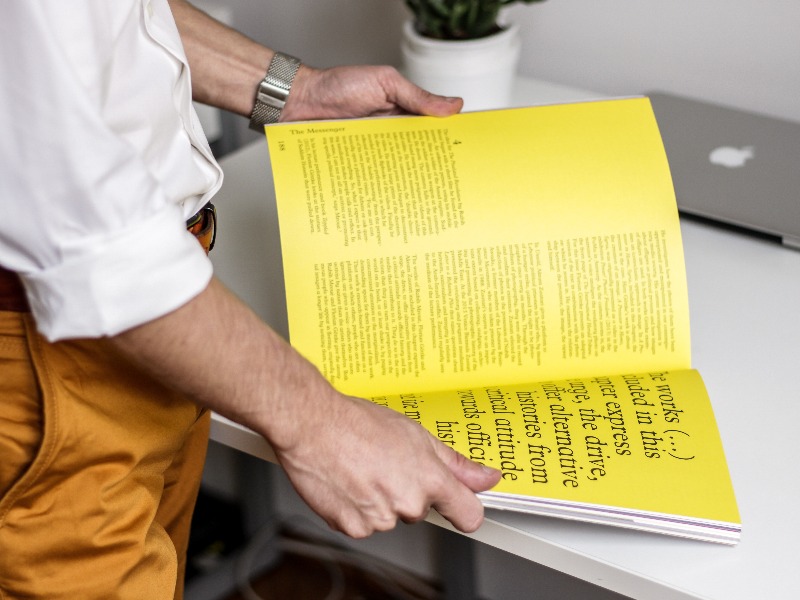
502, 246
634, 443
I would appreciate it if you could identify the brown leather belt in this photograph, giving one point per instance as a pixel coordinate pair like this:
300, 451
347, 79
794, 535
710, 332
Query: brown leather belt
203, 226
12, 296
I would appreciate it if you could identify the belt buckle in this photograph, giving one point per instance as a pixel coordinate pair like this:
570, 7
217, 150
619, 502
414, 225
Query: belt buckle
210, 212
203, 225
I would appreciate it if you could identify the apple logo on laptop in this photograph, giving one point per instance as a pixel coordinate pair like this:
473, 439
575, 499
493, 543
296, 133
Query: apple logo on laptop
730, 157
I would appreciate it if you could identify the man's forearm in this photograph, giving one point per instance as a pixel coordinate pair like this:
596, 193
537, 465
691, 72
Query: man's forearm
226, 65
217, 351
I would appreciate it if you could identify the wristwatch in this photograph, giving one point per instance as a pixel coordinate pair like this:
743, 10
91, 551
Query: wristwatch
273, 90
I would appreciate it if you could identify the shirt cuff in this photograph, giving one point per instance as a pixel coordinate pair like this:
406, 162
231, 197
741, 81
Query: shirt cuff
106, 286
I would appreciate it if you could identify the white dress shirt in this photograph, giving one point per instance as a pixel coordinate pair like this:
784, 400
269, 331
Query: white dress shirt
103, 160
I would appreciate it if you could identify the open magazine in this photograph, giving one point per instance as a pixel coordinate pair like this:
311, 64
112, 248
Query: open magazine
514, 281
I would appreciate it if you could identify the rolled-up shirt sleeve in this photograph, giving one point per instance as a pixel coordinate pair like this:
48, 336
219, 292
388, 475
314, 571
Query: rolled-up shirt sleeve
103, 161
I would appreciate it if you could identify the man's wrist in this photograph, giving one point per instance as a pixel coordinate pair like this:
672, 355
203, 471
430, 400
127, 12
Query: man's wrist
273, 90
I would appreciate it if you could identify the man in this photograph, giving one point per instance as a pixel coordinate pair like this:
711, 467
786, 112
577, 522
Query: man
113, 331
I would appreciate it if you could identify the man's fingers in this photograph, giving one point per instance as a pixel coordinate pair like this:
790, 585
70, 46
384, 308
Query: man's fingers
459, 504
415, 100
475, 476
438, 106
420, 102
461, 507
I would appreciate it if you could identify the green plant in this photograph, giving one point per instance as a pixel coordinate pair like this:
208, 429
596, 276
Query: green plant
458, 19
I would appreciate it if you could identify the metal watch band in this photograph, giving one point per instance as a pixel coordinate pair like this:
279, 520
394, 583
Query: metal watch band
274, 90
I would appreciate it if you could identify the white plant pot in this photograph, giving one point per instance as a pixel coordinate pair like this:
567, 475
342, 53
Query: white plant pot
480, 71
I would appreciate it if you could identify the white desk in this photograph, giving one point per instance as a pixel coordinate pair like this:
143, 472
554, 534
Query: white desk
744, 294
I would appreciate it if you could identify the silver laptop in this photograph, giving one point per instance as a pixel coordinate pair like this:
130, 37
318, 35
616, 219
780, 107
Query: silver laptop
733, 166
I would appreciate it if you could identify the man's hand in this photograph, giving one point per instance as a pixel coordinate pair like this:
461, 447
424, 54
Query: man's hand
361, 91
360, 466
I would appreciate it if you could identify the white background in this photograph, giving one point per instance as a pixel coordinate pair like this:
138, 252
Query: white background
738, 52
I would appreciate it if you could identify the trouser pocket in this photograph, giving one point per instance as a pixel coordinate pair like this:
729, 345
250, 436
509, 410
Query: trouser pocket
92, 451
21, 417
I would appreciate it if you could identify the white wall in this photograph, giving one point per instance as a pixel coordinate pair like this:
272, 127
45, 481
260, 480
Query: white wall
324, 32
738, 52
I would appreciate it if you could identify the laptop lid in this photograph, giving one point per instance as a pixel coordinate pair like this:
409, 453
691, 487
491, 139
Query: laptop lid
733, 166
